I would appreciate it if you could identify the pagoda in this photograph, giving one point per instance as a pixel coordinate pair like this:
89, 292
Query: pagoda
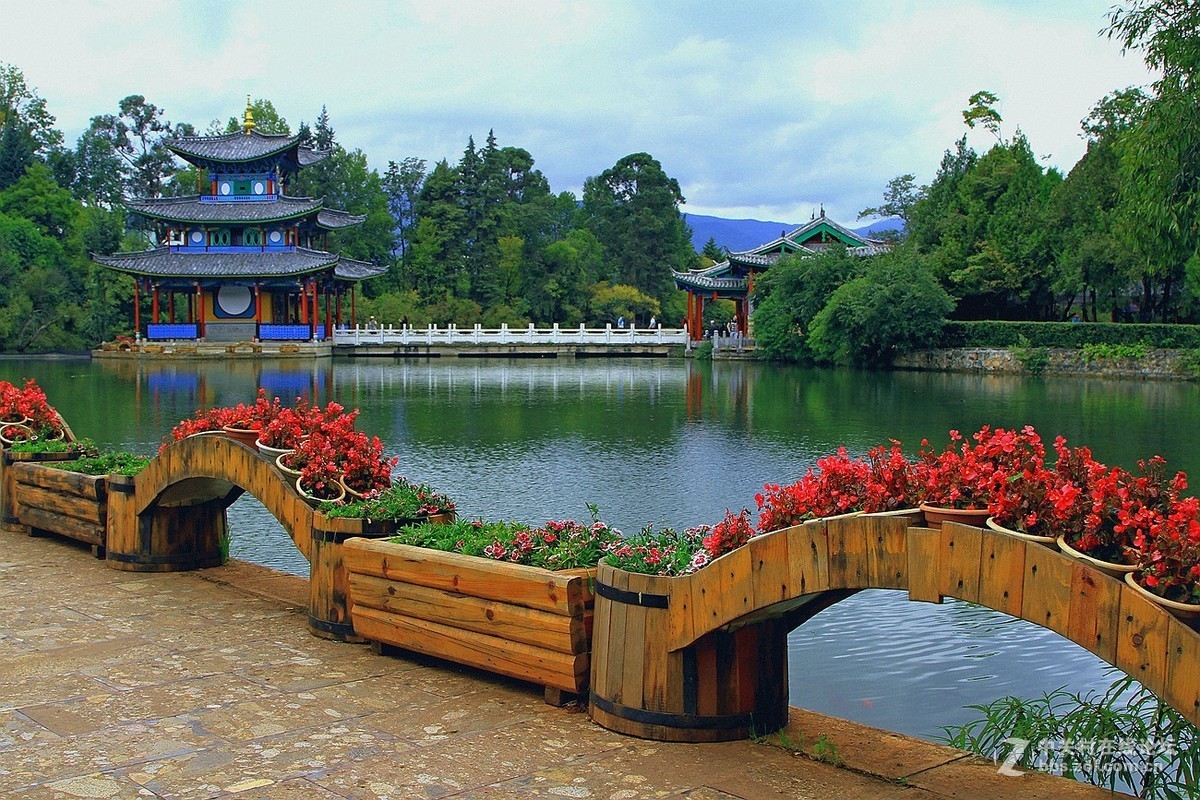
244, 261
733, 278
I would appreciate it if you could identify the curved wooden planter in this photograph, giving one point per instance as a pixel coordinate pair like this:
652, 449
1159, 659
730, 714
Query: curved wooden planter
936, 515
69, 504
1048, 541
516, 620
1189, 612
1117, 571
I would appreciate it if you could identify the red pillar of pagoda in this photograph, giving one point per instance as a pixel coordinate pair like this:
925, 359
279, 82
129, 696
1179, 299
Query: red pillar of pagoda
312, 314
137, 310
154, 305
341, 292
353, 310
200, 311
328, 318
257, 311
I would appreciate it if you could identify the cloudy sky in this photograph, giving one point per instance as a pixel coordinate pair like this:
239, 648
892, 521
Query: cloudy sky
760, 109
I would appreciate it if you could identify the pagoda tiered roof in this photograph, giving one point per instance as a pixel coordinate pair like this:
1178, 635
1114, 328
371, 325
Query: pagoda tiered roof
243, 147
731, 276
163, 262
332, 218
193, 208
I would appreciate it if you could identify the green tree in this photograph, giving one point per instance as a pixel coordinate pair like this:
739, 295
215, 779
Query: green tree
895, 307
20, 103
402, 184
633, 208
791, 294
137, 134
712, 251
612, 302
1161, 154
16, 152
981, 111
899, 198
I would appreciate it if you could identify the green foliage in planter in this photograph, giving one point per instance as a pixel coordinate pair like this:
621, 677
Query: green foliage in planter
664, 551
40, 445
119, 463
1124, 736
1071, 335
402, 501
555, 546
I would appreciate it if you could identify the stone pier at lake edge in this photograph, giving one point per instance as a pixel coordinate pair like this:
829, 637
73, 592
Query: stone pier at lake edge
207, 684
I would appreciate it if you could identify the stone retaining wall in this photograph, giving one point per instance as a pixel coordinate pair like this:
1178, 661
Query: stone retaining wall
1156, 365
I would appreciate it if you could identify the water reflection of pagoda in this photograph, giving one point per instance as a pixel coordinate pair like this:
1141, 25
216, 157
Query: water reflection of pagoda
246, 260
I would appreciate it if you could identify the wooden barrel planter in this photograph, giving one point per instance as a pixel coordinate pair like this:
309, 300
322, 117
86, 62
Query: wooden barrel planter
69, 504
516, 620
727, 685
165, 538
8, 489
328, 583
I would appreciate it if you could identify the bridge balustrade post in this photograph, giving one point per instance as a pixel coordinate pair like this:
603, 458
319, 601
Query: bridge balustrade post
608, 333
554, 334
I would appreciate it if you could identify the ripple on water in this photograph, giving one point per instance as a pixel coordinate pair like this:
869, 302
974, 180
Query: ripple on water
880, 659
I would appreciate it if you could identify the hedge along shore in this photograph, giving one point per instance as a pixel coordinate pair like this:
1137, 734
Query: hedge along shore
1159, 364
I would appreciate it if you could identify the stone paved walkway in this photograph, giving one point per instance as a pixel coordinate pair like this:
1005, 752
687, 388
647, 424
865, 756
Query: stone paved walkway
207, 685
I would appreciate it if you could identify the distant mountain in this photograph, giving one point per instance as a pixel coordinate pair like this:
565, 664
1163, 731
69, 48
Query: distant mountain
744, 234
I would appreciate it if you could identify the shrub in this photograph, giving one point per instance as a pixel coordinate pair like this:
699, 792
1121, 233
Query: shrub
119, 463
895, 308
1071, 335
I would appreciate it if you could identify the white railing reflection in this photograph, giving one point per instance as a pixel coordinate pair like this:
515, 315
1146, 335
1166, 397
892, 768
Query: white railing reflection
504, 335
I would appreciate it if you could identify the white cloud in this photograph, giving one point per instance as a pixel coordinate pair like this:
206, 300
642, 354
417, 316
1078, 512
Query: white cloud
762, 109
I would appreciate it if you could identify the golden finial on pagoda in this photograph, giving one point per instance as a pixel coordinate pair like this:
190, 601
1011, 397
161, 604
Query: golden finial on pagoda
248, 122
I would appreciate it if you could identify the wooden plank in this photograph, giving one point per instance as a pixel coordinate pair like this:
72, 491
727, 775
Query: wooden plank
61, 480
924, 573
1142, 640
887, 551
962, 547
736, 593
1046, 593
1002, 572
634, 643
92, 511
849, 566
706, 601
1095, 611
808, 558
654, 649
617, 642
1183, 670
769, 563
706, 673
680, 627
495, 618
546, 667
481, 577
63, 525
601, 645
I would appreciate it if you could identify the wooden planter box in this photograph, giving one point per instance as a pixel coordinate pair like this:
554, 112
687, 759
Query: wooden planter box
520, 621
69, 504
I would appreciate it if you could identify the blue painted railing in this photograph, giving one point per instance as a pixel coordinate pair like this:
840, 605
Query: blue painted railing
277, 332
171, 330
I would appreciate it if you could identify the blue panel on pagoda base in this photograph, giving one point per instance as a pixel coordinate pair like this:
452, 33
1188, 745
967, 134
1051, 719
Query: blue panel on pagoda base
238, 198
258, 248
272, 333
171, 330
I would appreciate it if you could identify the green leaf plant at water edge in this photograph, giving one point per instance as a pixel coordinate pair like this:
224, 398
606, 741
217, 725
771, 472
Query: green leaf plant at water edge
1124, 739
400, 501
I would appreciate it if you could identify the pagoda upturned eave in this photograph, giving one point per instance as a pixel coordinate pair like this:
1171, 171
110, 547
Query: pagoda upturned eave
195, 209
242, 148
250, 263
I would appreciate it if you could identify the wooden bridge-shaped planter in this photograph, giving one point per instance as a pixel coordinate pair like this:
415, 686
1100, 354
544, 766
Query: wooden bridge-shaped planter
520, 621
70, 504
703, 657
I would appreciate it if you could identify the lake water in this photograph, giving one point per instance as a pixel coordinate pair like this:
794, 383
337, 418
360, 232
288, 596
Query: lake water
677, 443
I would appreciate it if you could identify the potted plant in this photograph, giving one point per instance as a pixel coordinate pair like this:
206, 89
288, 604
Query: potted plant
282, 433
402, 503
837, 485
365, 470
957, 483
1167, 546
318, 480
892, 487
245, 423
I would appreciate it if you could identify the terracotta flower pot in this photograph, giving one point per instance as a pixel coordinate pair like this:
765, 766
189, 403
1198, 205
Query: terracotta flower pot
245, 436
1048, 541
13, 432
1118, 571
351, 493
1186, 611
936, 515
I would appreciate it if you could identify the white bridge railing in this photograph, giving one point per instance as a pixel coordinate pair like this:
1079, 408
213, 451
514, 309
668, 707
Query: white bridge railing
504, 335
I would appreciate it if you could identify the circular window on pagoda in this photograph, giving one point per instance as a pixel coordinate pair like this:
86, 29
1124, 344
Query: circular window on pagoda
260, 187
226, 187
234, 300
197, 237
275, 237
